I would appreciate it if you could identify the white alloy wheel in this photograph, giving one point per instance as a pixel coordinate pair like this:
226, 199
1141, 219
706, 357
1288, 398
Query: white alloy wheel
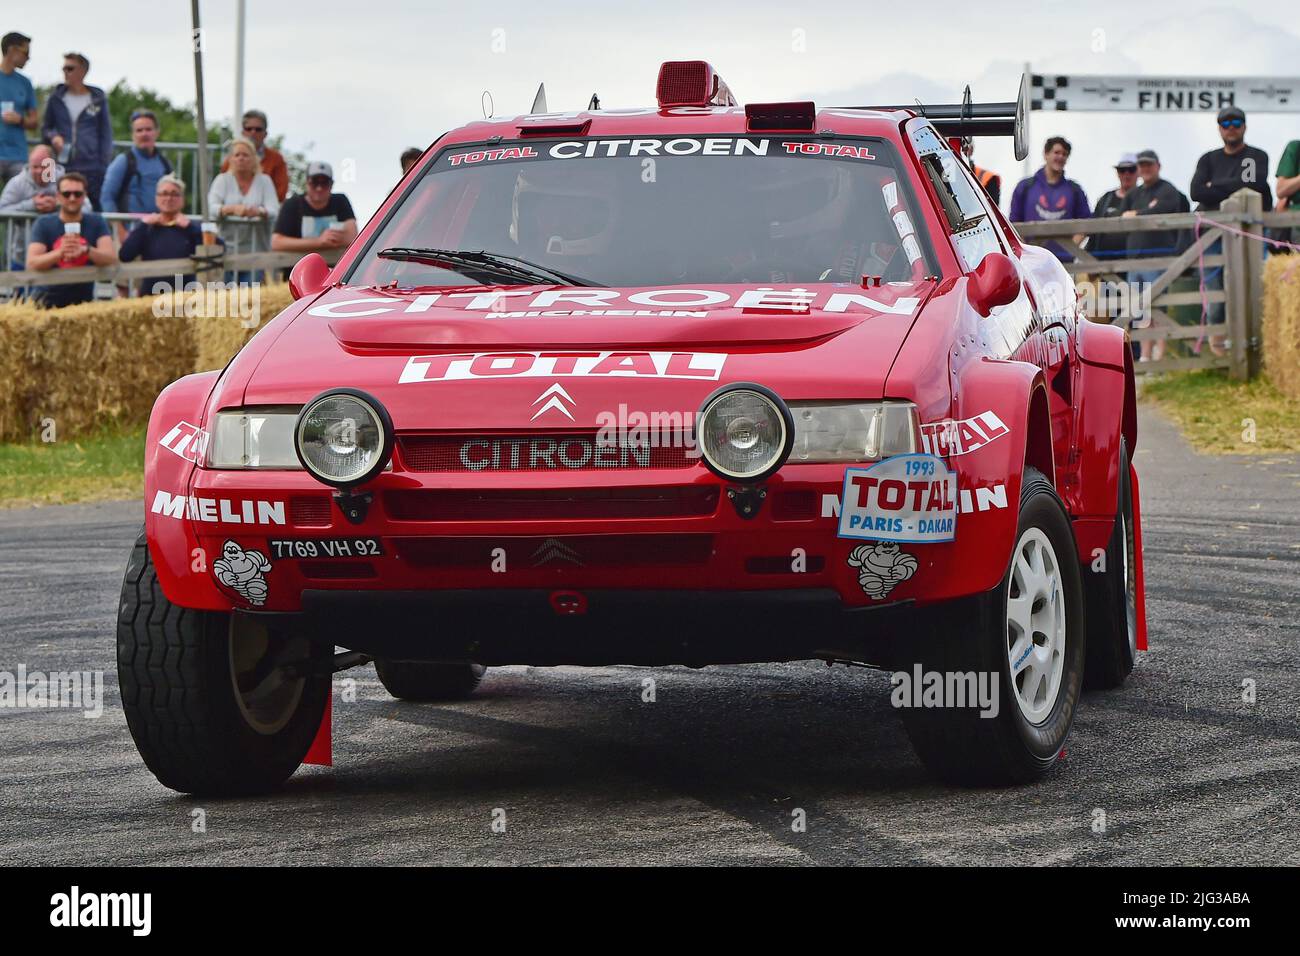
1035, 626
267, 696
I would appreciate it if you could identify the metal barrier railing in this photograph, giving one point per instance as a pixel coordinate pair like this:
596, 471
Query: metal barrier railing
242, 237
184, 158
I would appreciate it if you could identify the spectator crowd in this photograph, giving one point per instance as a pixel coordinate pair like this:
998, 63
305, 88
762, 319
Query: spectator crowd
71, 180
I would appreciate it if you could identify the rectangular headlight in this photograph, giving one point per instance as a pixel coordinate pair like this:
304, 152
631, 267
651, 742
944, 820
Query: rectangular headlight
852, 431
253, 439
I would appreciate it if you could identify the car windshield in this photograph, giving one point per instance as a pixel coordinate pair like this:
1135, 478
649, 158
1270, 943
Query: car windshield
645, 212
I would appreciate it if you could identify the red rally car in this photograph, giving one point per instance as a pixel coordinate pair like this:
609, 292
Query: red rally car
689, 384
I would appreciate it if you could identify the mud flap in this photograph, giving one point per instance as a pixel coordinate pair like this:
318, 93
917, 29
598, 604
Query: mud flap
321, 752
1140, 578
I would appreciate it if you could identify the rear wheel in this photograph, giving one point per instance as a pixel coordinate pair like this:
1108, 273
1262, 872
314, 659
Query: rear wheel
1111, 589
1023, 641
437, 680
217, 702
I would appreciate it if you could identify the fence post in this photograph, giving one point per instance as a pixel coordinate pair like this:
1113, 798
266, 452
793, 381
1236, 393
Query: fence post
1236, 290
1254, 255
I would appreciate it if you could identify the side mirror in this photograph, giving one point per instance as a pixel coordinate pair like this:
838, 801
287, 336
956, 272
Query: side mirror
994, 282
309, 275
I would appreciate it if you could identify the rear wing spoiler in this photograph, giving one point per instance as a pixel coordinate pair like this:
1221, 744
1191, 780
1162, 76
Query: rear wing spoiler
966, 119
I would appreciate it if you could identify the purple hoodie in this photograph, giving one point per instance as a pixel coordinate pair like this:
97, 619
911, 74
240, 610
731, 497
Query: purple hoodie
1037, 200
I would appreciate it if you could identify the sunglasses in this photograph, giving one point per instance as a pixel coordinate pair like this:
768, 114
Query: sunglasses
319, 181
254, 129
68, 68
1232, 123
1126, 169
72, 193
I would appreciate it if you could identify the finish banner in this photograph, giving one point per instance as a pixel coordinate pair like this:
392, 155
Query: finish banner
1165, 94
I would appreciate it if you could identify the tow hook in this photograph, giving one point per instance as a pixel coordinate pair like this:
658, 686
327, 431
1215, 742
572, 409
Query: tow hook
568, 603
747, 499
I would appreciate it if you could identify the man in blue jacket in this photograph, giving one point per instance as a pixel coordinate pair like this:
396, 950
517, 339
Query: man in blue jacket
1047, 195
77, 125
131, 182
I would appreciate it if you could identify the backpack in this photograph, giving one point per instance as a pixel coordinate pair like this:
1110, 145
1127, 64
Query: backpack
133, 171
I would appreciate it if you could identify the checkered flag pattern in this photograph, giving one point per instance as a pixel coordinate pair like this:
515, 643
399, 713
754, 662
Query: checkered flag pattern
1049, 92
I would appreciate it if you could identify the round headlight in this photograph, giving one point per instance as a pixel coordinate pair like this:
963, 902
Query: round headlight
344, 437
745, 432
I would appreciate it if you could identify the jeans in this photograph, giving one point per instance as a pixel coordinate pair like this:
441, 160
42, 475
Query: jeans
1139, 280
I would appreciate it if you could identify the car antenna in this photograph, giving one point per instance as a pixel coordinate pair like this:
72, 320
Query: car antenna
539, 101
486, 104
594, 102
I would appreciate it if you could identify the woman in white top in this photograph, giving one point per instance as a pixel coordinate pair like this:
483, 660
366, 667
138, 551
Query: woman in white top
244, 191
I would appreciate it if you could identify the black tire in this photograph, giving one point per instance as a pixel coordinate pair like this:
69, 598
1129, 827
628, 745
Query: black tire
437, 680
1111, 594
176, 668
957, 744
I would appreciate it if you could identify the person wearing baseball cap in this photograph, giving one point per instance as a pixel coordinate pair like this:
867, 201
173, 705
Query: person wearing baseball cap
317, 220
1155, 196
1219, 174
1111, 245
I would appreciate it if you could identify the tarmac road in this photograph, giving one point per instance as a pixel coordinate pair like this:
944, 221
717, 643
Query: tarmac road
715, 770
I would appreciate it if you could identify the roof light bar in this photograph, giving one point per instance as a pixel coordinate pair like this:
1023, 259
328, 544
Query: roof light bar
691, 83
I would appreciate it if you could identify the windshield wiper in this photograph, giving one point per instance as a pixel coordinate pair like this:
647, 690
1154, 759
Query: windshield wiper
482, 265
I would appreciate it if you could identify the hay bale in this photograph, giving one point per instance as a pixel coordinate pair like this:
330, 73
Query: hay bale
101, 364
1281, 323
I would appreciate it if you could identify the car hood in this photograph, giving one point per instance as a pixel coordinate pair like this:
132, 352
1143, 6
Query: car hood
546, 357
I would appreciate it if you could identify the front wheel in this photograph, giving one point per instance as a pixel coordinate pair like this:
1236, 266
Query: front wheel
217, 703
1016, 650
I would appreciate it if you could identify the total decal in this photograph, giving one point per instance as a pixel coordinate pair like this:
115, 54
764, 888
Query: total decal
962, 436
679, 303
912, 506
904, 498
701, 366
186, 441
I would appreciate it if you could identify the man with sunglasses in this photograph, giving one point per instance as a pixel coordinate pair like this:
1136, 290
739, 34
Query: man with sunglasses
272, 160
67, 239
17, 104
77, 124
1219, 174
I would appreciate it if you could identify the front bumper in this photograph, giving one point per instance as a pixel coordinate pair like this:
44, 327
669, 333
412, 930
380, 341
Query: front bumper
265, 540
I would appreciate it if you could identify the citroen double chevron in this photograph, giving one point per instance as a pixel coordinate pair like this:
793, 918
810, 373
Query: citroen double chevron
696, 383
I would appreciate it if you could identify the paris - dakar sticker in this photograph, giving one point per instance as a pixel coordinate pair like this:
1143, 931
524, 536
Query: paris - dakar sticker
909, 498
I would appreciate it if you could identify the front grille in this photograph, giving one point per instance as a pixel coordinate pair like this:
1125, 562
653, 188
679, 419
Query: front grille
599, 551
466, 454
310, 511
560, 504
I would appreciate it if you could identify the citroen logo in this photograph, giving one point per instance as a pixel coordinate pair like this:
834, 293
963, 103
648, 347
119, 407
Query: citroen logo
554, 398
553, 549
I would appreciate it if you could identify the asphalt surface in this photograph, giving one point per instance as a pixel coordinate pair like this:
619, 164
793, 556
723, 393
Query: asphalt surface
716, 769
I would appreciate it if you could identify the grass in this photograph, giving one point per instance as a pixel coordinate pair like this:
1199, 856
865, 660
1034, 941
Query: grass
97, 468
1215, 413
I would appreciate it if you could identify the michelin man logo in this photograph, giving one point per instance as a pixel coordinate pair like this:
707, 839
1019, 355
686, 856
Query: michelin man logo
880, 567
242, 571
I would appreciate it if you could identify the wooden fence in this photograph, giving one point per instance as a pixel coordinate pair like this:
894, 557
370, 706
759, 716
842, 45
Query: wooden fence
1239, 227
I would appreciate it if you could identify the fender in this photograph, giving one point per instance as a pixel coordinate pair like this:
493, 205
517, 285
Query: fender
173, 441
1106, 411
1016, 396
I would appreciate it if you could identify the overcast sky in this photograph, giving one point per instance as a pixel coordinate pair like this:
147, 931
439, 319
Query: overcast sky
356, 83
